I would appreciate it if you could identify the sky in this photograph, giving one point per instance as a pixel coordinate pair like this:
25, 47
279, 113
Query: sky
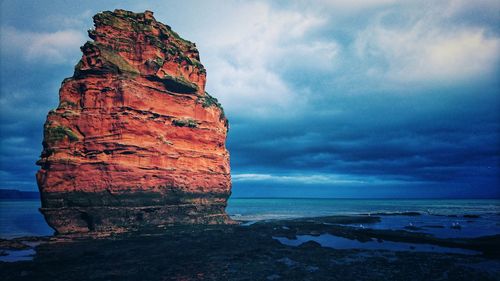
343, 99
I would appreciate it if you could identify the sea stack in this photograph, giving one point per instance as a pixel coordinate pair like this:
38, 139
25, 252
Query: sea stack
135, 141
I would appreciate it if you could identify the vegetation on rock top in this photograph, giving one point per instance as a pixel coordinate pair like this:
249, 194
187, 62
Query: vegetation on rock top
58, 133
175, 47
179, 84
208, 101
67, 104
187, 122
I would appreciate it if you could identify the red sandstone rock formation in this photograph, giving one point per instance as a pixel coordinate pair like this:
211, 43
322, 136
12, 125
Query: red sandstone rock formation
136, 141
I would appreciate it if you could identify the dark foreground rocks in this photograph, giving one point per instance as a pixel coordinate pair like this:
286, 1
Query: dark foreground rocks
232, 252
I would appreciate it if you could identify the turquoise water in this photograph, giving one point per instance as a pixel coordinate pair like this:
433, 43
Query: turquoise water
22, 218
259, 209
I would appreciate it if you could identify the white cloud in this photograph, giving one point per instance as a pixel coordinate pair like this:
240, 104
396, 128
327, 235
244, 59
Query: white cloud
355, 5
323, 179
73, 21
303, 179
248, 47
427, 48
311, 56
50, 47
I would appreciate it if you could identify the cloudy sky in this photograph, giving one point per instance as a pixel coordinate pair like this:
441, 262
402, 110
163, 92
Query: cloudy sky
344, 98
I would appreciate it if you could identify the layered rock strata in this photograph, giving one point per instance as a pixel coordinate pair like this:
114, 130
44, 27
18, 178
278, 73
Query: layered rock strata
135, 141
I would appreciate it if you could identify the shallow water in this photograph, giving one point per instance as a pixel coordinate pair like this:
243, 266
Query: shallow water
337, 242
17, 255
443, 226
21, 217
437, 217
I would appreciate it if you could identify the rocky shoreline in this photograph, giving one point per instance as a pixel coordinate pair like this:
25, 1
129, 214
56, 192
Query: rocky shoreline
254, 252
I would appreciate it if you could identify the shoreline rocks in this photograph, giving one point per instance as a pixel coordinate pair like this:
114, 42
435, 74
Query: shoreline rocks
235, 252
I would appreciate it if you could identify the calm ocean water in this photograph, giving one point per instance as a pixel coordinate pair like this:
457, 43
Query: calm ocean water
22, 218
267, 208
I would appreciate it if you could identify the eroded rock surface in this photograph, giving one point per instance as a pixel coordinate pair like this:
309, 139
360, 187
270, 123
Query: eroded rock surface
135, 140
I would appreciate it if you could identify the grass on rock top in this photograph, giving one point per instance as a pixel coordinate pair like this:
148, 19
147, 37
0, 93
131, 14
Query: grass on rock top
188, 122
117, 60
57, 133
67, 104
208, 101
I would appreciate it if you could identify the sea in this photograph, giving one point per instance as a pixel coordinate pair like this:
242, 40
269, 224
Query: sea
444, 218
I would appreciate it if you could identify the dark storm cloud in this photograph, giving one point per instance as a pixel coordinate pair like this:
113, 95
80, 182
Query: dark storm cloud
441, 140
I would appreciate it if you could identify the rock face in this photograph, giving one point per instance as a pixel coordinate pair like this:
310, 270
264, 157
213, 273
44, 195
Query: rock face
135, 141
